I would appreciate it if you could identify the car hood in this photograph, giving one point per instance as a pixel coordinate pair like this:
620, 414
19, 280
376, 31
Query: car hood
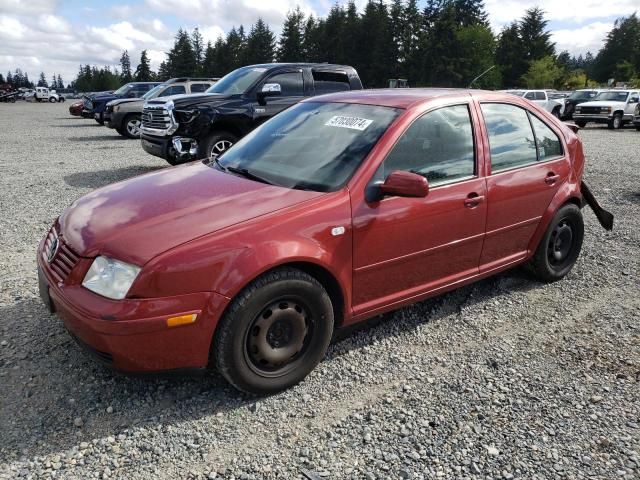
195, 99
139, 218
120, 101
602, 103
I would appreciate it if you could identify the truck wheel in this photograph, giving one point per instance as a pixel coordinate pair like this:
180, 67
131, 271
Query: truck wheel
216, 144
52, 99
274, 332
556, 112
560, 246
131, 126
100, 119
616, 122
581, 124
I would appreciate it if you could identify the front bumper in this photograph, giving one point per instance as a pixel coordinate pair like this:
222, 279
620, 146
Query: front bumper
87, 113
157, 146
592, 117
132, 334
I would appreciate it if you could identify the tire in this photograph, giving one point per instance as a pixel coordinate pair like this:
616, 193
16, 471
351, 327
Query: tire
100, 120
556, 112
560, 246
52, 99
216, 144
616, 122
131, 125
581, 124
296, 315
638, 128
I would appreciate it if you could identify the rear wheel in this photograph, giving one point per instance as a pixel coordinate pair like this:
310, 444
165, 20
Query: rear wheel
581, 124
560, 246
274, 332
131, 126
52, 99
616, 122
217, 143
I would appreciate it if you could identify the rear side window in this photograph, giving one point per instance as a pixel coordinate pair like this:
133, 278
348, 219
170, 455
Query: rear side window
173, 90
327, 82
439, 146
291, 83
199, 87
530, 96
540, 96
510, 136
548, 143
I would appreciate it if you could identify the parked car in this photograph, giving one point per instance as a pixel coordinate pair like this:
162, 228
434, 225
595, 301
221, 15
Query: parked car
94, 105
75, 108
636, 117
189, 127
43, 94
613, 107
338, 209
540, 97
576, 98
124, 115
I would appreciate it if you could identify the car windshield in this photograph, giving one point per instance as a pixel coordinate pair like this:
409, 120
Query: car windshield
582, 95
311, 146
613, 96
153, 93
122, 90
237, 81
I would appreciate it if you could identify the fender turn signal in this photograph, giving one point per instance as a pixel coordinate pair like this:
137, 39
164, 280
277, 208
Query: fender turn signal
182, 320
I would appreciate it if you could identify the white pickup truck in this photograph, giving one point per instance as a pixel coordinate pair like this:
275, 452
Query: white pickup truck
541, 97
613, 107
43, 94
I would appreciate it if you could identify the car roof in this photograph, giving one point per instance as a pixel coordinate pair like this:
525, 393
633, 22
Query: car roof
298, 64
395, 97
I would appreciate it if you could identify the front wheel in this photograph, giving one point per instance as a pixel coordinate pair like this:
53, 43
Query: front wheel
132, 125
217, 143
560, 246
616, 122
52, 99
274, 333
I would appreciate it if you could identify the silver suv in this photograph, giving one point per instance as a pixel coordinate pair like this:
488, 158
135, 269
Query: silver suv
124, 115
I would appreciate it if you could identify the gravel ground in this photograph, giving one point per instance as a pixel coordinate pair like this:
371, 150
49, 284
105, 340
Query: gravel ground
507, 378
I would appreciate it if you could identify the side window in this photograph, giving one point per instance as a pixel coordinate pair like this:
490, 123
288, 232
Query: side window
633, 98
291, 83
327, 82
541, 96
439, 145
174, 90
511, 139
530, 96
549, 145
199, 87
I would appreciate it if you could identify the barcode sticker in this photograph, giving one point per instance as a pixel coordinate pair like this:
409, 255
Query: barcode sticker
353, 123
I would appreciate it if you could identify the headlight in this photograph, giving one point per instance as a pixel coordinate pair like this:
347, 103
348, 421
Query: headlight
606, 109
186, 116
110, 278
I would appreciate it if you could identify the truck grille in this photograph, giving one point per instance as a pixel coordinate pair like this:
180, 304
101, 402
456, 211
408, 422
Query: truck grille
589, 109
60, 257
156, 117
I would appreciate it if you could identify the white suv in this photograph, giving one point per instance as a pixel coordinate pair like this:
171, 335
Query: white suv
613, 107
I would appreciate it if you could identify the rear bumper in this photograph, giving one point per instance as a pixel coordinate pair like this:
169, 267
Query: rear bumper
132, 335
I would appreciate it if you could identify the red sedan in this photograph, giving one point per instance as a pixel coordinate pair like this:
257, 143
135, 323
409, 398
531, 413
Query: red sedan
75, 108
338, 209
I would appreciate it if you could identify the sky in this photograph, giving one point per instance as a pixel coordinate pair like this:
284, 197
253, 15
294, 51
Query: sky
55, 36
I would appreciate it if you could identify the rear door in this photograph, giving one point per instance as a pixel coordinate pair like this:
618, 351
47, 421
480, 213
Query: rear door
528, 166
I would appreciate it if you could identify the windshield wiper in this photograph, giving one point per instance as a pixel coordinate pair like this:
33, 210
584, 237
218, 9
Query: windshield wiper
246, 173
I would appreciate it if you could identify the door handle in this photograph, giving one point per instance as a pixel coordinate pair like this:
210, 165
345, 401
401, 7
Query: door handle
473, 200
551, 178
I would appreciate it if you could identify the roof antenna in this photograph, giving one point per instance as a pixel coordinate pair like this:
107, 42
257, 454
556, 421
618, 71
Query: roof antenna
481, 75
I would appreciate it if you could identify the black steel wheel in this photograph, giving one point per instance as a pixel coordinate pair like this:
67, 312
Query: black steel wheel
274, 332
560, 246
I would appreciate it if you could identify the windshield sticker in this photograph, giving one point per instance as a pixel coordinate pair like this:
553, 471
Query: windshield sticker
353, 123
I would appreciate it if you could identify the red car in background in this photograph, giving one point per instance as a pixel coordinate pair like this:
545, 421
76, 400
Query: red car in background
75, 108
340, 208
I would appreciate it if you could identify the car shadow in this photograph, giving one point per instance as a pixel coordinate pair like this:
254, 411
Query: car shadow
100, 178
49, 382
90, 123
100, 138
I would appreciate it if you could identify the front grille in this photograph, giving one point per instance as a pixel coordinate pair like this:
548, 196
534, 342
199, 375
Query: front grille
63, 258
156, 117
589, 109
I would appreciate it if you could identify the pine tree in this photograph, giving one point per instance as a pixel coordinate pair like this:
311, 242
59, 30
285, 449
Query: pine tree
53, 83
10, 80
163, 72
509, 56
198, 48
181, 60
411, 43
619, 58
470, 12
535, 38
332, 33
312, 40
2, 79
42, 82
60, 83
125, 65
143, 70
261, 44
291, 43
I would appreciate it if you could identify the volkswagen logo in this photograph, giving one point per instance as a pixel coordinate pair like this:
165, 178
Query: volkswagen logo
53, 250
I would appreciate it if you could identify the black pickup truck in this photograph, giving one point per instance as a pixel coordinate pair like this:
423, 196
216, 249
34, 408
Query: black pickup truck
188, 127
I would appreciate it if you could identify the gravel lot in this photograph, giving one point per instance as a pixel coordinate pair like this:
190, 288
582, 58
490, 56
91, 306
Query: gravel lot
507, 378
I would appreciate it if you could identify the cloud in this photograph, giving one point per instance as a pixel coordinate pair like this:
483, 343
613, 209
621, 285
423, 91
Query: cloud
27, 6
588, 38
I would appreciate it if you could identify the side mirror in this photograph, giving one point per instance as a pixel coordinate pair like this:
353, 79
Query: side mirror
268, 90
401, 184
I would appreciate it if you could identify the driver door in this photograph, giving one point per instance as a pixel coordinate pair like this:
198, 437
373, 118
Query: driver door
407, 246
291, 92
630, 107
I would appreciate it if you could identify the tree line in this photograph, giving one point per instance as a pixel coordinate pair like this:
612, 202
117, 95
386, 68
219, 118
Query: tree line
445, 43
